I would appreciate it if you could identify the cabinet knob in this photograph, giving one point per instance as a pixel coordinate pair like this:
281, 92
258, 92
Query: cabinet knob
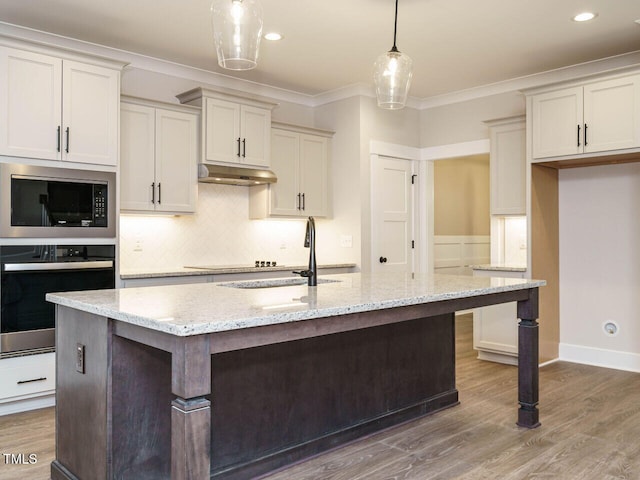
383, 259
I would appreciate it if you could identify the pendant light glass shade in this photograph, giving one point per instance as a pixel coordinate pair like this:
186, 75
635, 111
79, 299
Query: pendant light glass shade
392, 76
237, 30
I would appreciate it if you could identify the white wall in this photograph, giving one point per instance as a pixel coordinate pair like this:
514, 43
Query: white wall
463, 122
600, 264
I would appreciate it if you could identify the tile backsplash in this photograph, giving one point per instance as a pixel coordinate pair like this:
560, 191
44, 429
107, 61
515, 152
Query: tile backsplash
219, 233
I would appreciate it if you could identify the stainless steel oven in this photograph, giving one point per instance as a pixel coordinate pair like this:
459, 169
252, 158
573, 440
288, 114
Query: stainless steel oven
29, 272
38, 202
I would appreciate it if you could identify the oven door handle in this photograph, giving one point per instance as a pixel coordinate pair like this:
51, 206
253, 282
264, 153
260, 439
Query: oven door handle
49, 266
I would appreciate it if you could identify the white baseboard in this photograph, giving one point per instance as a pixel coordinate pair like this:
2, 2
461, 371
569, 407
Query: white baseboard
600, 357
29, 404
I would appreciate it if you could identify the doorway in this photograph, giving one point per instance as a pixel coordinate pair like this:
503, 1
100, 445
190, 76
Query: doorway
462, 221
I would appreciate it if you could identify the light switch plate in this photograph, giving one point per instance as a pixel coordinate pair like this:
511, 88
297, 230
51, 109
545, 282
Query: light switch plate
346, 241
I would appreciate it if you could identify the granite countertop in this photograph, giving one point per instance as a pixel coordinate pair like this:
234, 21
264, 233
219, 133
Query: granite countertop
500, 267
128, 274
185, 310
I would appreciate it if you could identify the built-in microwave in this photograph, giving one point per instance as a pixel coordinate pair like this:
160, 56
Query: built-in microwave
56, 202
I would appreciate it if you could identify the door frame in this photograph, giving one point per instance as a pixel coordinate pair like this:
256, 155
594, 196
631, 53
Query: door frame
423, 212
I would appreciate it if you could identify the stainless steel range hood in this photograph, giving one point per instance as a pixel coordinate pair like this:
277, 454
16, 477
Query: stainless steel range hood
234, 175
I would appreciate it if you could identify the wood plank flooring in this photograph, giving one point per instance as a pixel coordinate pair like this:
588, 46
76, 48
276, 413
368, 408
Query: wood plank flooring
590, 430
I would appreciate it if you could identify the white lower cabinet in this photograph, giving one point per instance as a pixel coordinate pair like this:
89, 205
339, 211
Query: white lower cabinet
158, 158
495, 328
27, 382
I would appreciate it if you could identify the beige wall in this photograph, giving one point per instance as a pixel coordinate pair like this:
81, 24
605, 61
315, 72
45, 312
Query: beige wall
461, 196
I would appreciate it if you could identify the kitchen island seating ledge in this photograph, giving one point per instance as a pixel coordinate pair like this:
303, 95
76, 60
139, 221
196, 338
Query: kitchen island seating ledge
205, 381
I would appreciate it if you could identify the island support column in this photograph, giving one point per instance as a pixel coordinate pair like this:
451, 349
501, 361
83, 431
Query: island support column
191, 411
528, 383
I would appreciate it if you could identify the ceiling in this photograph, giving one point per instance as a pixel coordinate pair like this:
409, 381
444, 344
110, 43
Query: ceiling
329, 44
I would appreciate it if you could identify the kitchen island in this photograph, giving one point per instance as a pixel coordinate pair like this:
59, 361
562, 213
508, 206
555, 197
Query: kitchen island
235, 380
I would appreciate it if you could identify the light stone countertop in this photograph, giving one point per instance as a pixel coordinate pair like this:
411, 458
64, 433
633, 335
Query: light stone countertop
129, 274
185, 310
500, 267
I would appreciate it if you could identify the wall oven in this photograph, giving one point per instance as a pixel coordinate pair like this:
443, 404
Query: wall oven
38, 202
28, 272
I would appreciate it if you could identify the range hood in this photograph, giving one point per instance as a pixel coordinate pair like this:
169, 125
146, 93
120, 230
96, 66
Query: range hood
234, 175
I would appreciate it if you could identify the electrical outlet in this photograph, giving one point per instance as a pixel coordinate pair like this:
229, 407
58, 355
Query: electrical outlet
80, 358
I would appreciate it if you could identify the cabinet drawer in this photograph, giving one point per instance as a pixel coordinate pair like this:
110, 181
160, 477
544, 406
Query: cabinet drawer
26, 376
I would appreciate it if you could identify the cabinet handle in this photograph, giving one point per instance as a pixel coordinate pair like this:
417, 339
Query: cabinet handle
303, 202
238, 146
244, 147
58, 137
383, 259
153, 192
585, 134
159, 193
41, 379
578, 135
67, 148
299, 203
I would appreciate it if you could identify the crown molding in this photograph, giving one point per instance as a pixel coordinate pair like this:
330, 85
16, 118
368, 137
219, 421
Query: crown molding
572, 72
156, 65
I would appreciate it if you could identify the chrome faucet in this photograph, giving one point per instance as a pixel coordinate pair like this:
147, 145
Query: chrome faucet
310, 242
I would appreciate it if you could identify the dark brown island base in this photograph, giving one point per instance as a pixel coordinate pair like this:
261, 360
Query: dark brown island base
145, 393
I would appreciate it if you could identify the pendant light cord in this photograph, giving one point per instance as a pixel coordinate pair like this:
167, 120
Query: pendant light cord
395, 30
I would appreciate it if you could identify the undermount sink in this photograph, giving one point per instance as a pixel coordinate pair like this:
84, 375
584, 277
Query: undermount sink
272, 283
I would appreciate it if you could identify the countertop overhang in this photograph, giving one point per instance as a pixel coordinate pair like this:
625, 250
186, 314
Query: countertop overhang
185, 310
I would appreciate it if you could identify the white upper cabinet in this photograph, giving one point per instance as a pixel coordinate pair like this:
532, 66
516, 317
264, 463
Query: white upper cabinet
58, 109
159, 155
597, 117
508, 166
313, 175
235, 130
300, 159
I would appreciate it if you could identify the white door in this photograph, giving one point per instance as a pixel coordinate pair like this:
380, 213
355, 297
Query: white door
255, 130
557, 123
30, 104
392, 215
313, 175
137, 157
222, 131
285, 152
90, 105
176, 160
611, 111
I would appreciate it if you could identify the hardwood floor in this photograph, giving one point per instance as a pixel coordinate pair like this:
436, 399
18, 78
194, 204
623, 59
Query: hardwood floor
590, 430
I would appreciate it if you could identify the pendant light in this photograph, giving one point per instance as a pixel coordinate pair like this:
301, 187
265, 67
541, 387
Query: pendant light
392, 75
237, 29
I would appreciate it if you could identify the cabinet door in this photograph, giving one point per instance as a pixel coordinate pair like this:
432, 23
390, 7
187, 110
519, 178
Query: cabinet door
313, 174
137, 157
285, 151
30, 104
91, 100
557, 123
176, 160
222, 131
255, 130
611, 111
508, 161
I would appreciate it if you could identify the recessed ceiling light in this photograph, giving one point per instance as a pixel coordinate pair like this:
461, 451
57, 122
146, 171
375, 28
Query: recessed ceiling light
584, 17
273, 36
